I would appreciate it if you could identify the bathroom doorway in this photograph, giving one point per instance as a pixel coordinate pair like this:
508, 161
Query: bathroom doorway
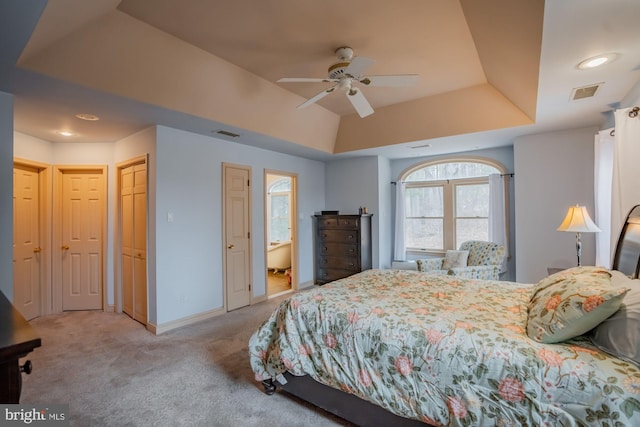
280, 215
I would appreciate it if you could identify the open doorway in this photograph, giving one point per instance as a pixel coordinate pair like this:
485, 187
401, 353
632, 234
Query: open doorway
279, 232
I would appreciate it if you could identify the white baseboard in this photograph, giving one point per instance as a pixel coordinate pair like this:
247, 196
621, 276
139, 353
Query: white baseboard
110, 308
185, 321
305, 284
256, 300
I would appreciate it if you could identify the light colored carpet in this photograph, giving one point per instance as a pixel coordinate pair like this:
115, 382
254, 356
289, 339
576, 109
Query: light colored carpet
112, 372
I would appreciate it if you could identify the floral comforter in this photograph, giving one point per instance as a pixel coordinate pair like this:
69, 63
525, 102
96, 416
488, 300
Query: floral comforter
447, 351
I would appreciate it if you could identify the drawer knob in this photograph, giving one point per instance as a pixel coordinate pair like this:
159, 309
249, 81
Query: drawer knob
27, 367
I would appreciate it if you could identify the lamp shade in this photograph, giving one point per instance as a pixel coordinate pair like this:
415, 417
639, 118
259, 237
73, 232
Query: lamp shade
578, 221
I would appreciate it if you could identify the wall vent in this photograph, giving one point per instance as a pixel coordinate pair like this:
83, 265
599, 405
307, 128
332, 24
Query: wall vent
227, 133
585, 91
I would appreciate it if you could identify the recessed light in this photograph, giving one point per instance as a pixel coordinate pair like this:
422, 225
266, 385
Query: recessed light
597, 61
64, 133
88, 117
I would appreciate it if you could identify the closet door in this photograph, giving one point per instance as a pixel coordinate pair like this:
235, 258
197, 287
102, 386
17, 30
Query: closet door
139, 219
126, 238
26, 241
133, 226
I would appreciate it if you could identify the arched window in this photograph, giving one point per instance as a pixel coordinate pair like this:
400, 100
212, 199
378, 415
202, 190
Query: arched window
279, 202
447, 203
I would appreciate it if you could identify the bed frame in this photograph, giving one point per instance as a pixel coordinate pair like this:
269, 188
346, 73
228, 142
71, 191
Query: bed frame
626, 258
363, 413
344, 405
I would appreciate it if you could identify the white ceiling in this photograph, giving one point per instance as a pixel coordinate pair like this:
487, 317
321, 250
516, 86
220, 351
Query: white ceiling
454, 46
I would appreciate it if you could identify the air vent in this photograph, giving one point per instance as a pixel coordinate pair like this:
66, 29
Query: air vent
227, 133
585, 91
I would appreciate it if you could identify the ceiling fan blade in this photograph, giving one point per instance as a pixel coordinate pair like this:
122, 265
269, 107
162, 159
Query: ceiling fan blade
317, 97
358, 65
359, 102
304, 80
393, 80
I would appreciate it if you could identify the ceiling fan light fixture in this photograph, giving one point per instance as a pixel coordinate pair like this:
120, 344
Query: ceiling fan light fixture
337, 70
597, 61
345, 84
349, 70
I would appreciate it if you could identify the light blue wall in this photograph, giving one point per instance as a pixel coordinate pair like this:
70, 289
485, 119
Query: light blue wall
353, 183
6, 190
189, 249
553, 171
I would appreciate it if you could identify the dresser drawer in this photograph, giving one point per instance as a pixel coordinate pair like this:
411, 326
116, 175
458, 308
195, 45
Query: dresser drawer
331, 222
337, 236
338, 249
342, 263
329, 275
339, 222
348, 222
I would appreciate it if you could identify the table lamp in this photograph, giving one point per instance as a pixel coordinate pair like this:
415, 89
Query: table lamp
578, 221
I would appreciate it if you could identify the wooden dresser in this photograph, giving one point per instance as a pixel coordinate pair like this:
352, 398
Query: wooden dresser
17, 339
342, 246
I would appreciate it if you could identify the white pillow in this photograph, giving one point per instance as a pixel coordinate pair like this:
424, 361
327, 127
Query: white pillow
455, 259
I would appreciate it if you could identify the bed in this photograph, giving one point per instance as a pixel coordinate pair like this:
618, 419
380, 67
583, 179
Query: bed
397, 347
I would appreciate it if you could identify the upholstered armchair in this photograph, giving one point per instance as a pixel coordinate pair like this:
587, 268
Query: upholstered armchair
474, 260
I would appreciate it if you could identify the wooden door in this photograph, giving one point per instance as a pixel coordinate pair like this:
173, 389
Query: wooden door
133, 226
81, 229
237, 236
126, 239
26, 241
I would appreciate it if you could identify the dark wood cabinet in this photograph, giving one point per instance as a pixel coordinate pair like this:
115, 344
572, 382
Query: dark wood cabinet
342, 246
17, 339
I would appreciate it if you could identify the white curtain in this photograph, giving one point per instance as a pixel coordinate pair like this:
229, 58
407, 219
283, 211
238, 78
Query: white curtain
626, 173
603, 176
400, 248
498, 213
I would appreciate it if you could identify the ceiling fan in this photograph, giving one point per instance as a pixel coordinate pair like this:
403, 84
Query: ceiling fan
347, 71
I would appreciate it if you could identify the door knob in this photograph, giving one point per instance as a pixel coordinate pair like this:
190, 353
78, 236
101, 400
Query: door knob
230, 246
37, 250
65, 247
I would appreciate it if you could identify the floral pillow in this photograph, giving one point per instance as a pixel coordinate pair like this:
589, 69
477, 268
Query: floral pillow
569, 303
455, 259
